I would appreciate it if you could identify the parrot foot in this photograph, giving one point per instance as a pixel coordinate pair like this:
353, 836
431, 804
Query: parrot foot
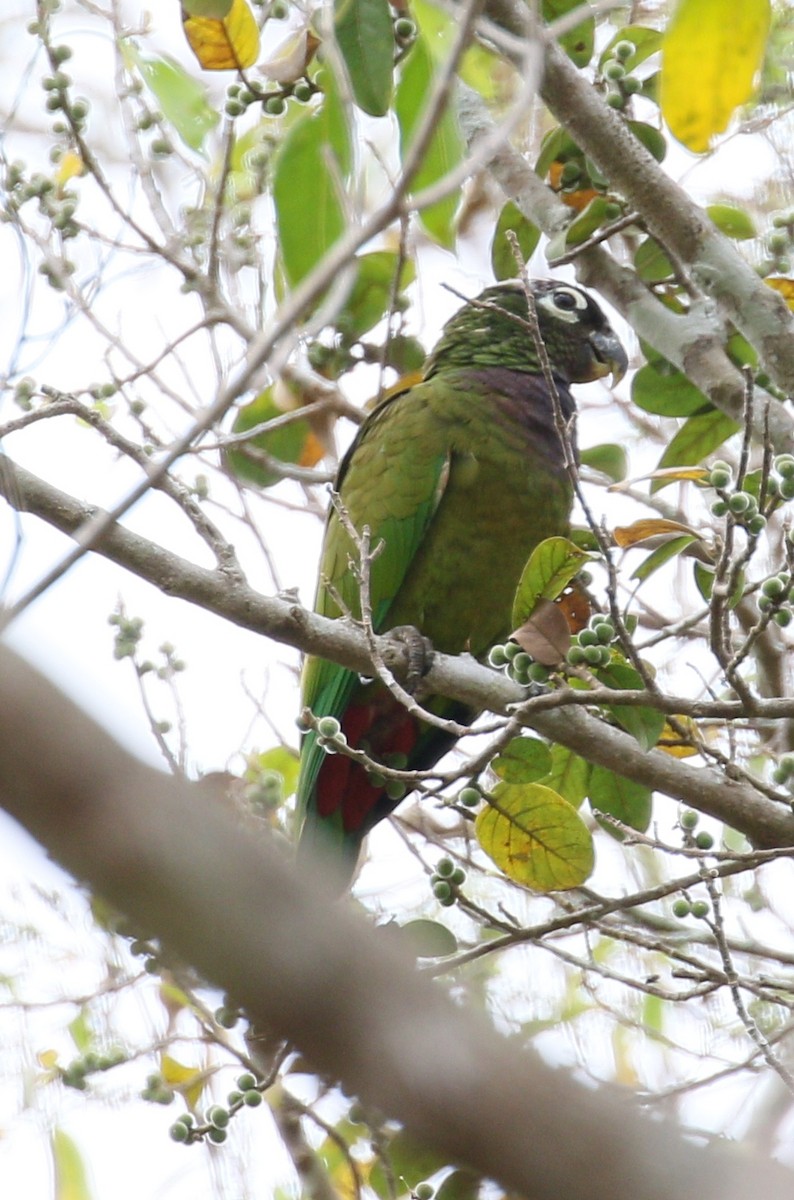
420, 654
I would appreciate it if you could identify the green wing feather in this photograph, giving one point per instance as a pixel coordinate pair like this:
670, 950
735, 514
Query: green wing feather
393, 479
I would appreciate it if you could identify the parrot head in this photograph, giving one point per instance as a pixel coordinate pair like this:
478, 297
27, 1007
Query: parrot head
494, 330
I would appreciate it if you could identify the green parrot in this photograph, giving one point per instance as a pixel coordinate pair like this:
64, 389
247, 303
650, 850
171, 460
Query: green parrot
459, 476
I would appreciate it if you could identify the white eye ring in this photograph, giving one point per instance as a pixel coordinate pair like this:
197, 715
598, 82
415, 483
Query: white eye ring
565, 302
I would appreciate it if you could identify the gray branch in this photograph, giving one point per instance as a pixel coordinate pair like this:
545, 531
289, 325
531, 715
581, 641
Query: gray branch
764, 822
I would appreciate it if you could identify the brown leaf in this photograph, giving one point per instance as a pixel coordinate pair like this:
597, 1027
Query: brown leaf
545, 634
649, 530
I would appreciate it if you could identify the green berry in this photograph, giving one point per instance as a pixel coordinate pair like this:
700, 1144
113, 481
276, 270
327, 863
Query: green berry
681, 908
787, 489
457, 877
217, 1136
521, 663
575, 656
404, 29
234, 1098
777, 242
469, 797
252, 1098
328, 727
614, 71
613, 210
719, 478
604, 631
233, 108
279, 11
623, 50
395, 789
441, 890
593, 656
588, 637
774, 588
444, 868
497, 657
783, 618
764, 603
424, 1191
719, 508
700, 909
511, 650
246, 1082
756, 524
689, 819
571, 173
537, 673
179, 1132
631, 85
739, 503
275, 105
615, 100
218, 1116
784, 465
704, 841
302, 91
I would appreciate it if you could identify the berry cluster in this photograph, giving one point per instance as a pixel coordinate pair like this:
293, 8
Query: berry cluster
779, 243
74, 1076
240, 97
446, 881
623, 85
591, 646
217, 1118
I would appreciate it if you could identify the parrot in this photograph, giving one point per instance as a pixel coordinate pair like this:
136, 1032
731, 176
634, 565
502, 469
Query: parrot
458, 475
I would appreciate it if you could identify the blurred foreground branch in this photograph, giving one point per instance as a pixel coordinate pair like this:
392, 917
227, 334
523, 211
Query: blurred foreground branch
165, 854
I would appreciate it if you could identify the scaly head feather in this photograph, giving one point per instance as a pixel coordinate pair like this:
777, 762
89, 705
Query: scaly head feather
493, 330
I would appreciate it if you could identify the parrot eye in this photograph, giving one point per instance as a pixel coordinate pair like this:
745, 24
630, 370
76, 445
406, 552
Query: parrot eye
568, 300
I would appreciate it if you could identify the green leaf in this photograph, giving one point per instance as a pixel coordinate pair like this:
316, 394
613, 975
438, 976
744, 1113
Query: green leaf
651, 138
524, 760
293, 443
183, 99
732, 221
407, 1160
365, 38
368, 301
661, 389
81, 1032
711, 53
310, 214
71, 1177
630, 802
645, 41
551, 567
503, 260
643, 723
704, 581
281, 761
578, 42
207, 8
590, 219
651, 263
460, 1184
535, 837
661, 555
697, 438
446, 148
608, 458
429, 939
569, 775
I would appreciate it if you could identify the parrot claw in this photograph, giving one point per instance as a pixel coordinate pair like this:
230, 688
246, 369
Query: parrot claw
420, 654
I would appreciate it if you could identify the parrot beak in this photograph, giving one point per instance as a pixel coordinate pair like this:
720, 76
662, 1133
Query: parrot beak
609, 354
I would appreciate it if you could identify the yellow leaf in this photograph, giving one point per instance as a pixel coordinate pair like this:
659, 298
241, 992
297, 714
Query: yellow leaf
643, 531
676, 745
48, 1059
71, 1176
225, 43
711, 53
69, 165
536, 837
785, 287
188, 1081
666, 474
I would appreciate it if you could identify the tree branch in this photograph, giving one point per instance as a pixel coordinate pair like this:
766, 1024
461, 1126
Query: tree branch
170, 858
738, 804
